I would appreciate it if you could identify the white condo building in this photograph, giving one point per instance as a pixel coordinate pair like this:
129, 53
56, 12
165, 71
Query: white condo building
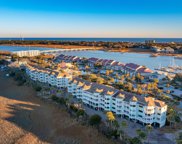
54, 78
145, 110
28, 53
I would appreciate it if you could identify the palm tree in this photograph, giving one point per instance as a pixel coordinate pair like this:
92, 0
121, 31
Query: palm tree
123, 127
141, 134
139, 89
87, 68
179, 138
172, 116
68, 100
107, 72
117, 76
122, 78
116, 124
110, 117
149, 129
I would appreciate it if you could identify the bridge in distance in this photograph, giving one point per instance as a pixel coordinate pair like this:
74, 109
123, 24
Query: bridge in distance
65, 50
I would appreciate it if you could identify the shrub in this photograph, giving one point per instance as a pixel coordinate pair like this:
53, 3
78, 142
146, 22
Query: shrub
135, 140
20, 83
62, 101
12, 74
54, 98
38, 88
72, 107
95, 120
80, 112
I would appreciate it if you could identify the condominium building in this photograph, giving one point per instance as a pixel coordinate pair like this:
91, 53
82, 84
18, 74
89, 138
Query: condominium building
131, 68
54, 78
145, 110
29, 53
134, 69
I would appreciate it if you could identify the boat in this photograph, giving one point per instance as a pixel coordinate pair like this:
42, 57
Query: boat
178, 57
153, 55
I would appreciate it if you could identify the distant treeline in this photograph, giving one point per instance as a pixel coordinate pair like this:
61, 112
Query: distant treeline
115, 45
76, 43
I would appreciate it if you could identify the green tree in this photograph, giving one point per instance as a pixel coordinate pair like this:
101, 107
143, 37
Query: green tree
95, 120
87, 68
167, 85
100, 80
122, 77
156, 80
107, 72
110, 117
115, 125
172, 116
111, 80
123, 127
139, 89
179, 138
141, 134
149, 129
135, 140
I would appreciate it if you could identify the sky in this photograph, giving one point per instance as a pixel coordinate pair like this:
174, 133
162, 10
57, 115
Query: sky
91, 18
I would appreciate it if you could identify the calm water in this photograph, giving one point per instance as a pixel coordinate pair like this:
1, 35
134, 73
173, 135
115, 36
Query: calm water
21, 48
102, 39
142, 59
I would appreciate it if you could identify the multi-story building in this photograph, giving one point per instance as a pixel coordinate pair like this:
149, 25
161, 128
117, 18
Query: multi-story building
54, 78
29, 53
145, 110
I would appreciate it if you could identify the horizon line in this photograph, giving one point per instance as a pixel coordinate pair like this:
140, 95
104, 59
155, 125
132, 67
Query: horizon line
100, 37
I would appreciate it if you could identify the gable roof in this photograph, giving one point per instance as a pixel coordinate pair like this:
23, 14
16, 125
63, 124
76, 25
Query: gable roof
132, 66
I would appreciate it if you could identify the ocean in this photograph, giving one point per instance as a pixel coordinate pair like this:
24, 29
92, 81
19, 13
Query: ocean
158, 40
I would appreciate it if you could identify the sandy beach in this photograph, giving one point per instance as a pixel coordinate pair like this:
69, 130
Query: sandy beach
25, 119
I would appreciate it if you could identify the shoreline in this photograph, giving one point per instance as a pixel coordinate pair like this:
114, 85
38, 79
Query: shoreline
55, 46
127, 50
144, 51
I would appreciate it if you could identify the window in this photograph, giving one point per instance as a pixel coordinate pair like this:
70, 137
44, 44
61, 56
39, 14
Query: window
149, 110
148, 114
132, 105
140, 106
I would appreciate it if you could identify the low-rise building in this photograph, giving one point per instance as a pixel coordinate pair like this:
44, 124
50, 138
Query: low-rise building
29, 53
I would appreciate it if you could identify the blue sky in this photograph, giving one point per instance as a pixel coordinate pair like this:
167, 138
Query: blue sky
91, 18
